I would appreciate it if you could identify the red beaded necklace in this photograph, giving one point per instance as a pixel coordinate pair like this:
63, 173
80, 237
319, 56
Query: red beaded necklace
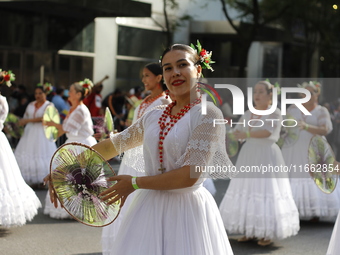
165, 126
145, 104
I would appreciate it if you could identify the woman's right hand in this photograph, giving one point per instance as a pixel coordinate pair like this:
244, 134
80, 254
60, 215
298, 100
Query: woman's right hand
239, 135
53, 195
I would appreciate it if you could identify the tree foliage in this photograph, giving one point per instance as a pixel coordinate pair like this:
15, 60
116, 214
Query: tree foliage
315, 23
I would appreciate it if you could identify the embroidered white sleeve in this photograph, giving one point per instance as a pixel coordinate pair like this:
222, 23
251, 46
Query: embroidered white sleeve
74, 123
206, 147
129, 138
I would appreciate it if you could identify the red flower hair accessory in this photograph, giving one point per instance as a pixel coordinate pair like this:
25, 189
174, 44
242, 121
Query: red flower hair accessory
205, 56
7, 77
86, 83
47, 87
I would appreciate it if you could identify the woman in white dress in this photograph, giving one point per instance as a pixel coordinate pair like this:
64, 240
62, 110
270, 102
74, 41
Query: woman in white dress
171, 213
334, 244
18, 202
34, 150
78, 127
311, 202
152, 79
260, 205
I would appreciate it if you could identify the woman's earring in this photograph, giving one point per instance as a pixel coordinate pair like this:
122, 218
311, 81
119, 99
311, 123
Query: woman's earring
198, 87
166, 94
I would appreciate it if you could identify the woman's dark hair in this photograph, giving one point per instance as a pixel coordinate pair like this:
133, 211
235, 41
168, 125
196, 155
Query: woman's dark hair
60, 90
156, 69
194, 57
1, 79
41, 88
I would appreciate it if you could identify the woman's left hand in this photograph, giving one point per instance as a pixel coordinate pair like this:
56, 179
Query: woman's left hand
23, 122
53, 195
120, 190
48, 123
302, 124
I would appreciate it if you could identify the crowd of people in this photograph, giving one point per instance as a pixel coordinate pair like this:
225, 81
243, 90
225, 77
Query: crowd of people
164, 136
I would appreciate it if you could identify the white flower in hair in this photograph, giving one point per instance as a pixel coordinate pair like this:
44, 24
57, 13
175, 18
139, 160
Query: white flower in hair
313, 84
86, 83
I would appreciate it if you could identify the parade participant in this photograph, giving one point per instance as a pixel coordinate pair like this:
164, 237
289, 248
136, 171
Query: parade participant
334, 245
116, 103
34, 150
152, 79
94, 100
18, 202
59, 102
171, 213
78, 128
260, 206
310, 201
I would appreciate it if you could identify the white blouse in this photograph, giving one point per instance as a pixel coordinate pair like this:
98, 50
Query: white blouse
3, 111
79, 123
193, 141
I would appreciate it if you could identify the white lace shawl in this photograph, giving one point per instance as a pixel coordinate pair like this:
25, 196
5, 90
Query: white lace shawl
193, 141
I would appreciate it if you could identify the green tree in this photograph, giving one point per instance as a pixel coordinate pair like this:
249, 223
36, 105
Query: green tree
251, 19
312, 23
171, 24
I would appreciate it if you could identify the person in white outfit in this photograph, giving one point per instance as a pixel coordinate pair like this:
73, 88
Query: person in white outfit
18, 202
260, 206
152, 78
78, 127
34, 151
311, 202
171, 213
334, 245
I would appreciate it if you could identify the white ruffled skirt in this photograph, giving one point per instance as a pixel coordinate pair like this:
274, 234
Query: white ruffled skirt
181, 222
111, 231
18, 202
334, 244
33, 153
309, 199
61, 213
260, 206
312, 202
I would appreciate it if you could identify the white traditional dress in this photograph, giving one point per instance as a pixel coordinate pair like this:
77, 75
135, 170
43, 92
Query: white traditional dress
34, 150
136, 154
79, 128
18, 202
255, 204
310, 201
334, 244
181, 221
